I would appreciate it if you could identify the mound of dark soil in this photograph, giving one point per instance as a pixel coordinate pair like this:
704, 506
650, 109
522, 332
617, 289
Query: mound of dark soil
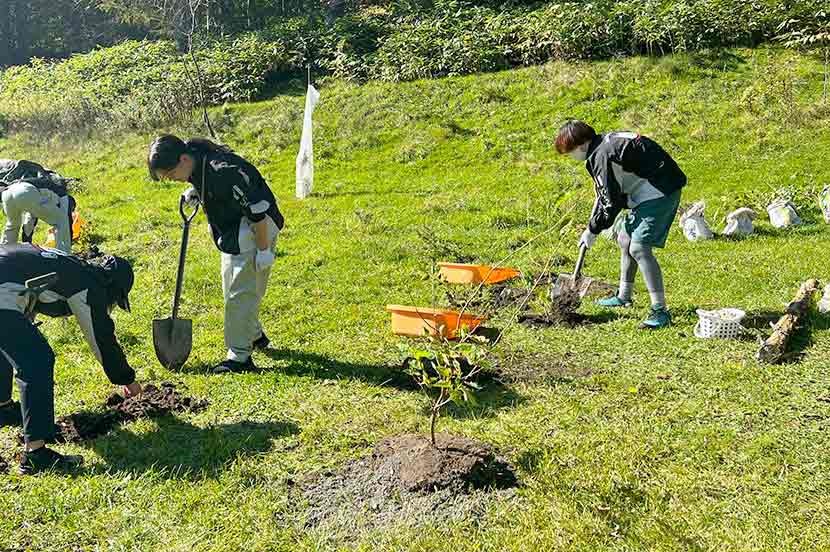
456, 462
153, 402
407, 481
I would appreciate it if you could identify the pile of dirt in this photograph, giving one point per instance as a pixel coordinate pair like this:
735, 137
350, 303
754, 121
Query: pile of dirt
561, 311
408, 481
153, 402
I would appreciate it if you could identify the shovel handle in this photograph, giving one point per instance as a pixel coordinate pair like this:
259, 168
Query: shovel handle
185, 217
182, 254
577, 275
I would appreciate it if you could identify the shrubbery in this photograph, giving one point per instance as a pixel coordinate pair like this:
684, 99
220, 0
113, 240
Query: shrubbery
133, 85
141, 84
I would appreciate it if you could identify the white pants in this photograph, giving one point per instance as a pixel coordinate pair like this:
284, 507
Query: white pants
244, 288
22, 199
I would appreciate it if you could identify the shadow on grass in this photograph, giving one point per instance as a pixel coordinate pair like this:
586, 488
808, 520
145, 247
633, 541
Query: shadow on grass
494, 396
180, 450
302, 363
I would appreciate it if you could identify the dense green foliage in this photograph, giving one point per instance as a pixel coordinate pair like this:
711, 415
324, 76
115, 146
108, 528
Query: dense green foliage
623, 440
141, 85
133, 85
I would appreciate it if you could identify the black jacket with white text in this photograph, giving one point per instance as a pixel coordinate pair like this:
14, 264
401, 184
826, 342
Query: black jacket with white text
628, 169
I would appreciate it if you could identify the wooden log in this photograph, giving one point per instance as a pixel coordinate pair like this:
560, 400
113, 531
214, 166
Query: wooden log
774, 348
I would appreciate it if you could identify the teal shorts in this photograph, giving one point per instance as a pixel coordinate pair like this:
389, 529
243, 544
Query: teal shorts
649, 222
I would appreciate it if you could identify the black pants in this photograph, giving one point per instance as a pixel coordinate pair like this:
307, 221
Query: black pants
24, 350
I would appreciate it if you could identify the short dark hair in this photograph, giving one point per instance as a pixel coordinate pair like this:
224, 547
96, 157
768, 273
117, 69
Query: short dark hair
167, 150
572, 134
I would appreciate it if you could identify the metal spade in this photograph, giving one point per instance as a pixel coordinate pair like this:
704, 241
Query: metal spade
173, 337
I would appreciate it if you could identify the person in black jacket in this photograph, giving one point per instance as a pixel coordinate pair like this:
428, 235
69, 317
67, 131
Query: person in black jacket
87, 290
632, 172
244, 220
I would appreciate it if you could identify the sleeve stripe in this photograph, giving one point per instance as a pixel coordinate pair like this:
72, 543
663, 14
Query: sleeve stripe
260, 207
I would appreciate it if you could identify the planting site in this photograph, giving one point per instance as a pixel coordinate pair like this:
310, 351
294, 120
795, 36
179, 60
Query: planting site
576, 305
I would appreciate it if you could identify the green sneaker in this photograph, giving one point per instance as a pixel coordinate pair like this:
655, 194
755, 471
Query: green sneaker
658, 318
614, 302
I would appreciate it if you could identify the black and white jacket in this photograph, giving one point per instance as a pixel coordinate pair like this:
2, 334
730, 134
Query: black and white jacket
80, 291
628, 169
234, 194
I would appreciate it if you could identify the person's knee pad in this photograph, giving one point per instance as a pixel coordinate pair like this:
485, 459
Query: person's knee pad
640, 252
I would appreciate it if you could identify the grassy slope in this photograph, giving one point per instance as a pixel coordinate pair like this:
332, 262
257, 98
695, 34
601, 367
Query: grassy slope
668, 443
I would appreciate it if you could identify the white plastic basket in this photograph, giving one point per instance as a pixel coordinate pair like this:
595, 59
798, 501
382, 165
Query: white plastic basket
721, 324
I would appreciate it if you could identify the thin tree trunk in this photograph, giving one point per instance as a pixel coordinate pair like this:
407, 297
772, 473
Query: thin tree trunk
436, 409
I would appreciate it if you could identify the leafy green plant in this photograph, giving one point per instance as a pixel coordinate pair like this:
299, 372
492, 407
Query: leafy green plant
811, 32
446, 370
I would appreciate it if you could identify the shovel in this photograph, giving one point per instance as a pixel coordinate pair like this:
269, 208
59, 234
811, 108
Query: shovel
173, 337
572, 286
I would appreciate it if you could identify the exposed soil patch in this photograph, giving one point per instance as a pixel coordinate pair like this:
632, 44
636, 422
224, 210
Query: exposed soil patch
4, 467
519, 366
561, 311
408, 481
153, 402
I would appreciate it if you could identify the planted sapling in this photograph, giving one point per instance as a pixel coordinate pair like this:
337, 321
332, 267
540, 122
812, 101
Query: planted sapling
447, 370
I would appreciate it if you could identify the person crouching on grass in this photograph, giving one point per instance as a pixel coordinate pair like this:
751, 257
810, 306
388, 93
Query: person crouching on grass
631, 172
244, 221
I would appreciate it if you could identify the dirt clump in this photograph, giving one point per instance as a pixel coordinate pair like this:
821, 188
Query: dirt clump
561, 311
455, 461
152, 402
155, 401
407, 481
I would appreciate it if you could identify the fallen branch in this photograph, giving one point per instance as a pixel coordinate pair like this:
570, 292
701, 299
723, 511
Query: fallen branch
773, 349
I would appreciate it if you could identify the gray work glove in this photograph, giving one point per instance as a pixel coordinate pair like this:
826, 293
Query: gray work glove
264, 259
587, 239
191, 197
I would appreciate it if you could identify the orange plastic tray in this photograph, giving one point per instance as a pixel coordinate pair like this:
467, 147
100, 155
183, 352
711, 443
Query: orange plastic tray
457, 273
420, 321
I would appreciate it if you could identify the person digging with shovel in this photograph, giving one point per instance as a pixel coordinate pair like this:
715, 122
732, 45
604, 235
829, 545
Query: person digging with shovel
630, 171
244, 220
44, 281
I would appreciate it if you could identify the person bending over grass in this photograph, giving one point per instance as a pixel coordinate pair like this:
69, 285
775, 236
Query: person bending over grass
245, 221
631, 172
88, 290
30, 192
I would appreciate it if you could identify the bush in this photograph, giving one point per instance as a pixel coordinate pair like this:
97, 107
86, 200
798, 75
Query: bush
133, 85
453, 41
145, 84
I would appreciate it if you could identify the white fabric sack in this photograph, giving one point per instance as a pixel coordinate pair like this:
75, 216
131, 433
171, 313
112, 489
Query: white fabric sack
739, 222
824, 203
782, 214
694, 225
305, 158
824, 304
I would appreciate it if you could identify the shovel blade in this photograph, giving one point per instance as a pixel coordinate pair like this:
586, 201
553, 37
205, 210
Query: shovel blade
565, 284
173, 341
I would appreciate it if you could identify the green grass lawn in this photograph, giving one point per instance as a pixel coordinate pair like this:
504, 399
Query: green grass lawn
636, 441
